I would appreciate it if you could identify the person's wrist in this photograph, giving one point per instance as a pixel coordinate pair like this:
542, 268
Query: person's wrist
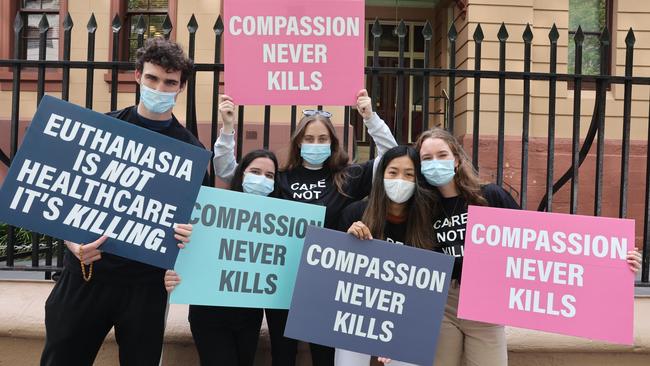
228, 128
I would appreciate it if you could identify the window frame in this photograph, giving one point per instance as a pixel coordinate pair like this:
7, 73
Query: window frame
609, 22
129, 16
28, 77
25, 12
125, 80
119, 7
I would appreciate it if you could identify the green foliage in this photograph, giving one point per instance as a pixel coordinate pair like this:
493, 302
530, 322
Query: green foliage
22, 236
23, 241
591, 15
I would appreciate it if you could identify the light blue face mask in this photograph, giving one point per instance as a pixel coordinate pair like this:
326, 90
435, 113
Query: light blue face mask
257, 184
438, 172
157, 101
315, 154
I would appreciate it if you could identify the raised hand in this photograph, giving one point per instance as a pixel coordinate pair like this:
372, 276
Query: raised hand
227, 111
364, 104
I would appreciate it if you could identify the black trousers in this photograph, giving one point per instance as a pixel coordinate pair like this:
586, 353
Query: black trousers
284, 350
79, 314
225, 336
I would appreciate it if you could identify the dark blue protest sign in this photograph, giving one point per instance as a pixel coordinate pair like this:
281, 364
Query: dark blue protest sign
80, 174
369, 296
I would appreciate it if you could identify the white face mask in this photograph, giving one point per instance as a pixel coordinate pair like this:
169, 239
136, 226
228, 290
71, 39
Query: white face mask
399, 190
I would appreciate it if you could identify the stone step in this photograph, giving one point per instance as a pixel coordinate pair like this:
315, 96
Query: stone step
22, 334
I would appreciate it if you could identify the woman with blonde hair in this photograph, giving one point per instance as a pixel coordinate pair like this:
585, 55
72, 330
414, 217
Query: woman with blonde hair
449, 171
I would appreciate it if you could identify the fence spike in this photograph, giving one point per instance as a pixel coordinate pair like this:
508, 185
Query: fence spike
43, 25
453, 33
528, 34
503, 33
630, 39
192, 25
427, 31
140, 25
116, 24
604, 36
579, 37
376, 28
67, 22
553, 35
401, 29
167, 26
218, 26
92, 24
18, 23
478, 34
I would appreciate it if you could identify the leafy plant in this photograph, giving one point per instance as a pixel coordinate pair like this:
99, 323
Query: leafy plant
22, 243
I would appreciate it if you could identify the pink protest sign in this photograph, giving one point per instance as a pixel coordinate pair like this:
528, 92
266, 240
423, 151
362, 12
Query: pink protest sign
558, 273
286, 52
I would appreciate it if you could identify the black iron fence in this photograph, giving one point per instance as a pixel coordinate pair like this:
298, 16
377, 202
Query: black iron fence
50, 248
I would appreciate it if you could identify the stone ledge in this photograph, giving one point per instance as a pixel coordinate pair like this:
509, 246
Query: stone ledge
524, 340
22, 317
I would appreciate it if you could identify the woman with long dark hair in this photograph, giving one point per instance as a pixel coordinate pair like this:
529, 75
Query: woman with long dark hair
397, 210
228, 335
317, 172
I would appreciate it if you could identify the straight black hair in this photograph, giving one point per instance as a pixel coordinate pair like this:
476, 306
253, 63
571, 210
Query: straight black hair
418, 222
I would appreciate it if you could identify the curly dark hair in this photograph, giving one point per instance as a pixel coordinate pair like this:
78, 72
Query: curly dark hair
166, 54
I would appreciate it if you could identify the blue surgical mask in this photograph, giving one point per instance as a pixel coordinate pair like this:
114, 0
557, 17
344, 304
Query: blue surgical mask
257, 184
438, 172
157, 101
315, 154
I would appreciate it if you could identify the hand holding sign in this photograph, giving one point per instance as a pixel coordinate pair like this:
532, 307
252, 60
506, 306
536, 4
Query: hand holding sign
227, 111
364, 104
634, 260
182, 233
360, 230
171, 280
90, 252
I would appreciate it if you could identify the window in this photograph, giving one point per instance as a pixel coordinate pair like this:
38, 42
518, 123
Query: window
153, 12
129, 12
32, 11
592, 16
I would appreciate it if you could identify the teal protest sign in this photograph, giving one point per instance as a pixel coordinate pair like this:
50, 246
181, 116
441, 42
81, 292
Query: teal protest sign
245, 250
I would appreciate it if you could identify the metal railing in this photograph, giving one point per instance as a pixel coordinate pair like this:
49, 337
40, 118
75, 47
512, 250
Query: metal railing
578, 152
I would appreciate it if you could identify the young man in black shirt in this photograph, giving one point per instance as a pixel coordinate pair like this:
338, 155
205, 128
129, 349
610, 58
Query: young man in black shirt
98, 291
